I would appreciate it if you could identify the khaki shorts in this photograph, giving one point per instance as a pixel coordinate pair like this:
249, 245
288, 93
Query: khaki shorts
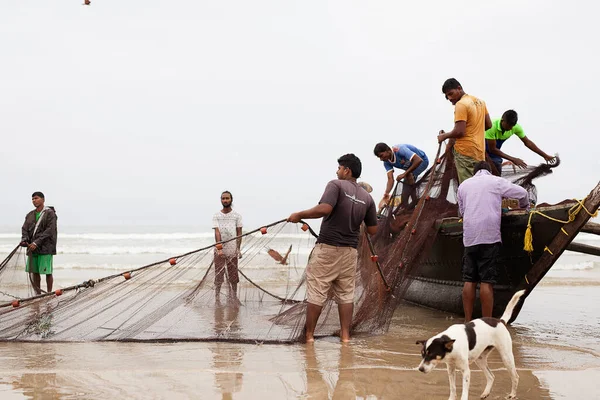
331, 268
464, 166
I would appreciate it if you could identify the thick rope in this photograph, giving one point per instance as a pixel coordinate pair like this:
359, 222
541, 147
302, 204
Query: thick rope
573, 211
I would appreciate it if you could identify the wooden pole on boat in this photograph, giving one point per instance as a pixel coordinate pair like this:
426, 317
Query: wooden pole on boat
559, 244
591, 227
584, 248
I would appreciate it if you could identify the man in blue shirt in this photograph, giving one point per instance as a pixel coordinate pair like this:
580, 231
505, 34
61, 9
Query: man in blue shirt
501, 130
405, 157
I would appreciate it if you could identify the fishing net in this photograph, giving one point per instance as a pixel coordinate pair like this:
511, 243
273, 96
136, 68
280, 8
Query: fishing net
177, 299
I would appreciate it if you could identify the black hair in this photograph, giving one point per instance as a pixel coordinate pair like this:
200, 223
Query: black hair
380, 148
38, 194
510, 117
482, 165
228, 192
450, 84
352, 162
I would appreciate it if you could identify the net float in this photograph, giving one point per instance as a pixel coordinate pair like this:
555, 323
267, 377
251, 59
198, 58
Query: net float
173, 261
304, 227
374, 258
127, 275
413, 231
263, 230
219, 246
58, 292
15, 303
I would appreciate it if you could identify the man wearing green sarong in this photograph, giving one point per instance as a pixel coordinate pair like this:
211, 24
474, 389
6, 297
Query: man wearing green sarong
39, 235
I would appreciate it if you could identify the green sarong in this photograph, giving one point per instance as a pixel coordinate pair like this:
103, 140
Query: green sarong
39, 264
464, 166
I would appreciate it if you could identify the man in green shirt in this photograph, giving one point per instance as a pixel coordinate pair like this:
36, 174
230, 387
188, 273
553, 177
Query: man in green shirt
501, 130
39, 235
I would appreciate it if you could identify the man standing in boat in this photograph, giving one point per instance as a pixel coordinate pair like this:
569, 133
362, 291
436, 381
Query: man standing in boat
479, 203
39, 235
227, 224
407, 158
471, 119
502, 129
332, 264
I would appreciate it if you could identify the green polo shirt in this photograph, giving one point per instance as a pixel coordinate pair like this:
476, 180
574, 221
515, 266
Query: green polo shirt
496, 132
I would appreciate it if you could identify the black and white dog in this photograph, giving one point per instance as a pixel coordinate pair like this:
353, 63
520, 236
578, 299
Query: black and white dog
461, 344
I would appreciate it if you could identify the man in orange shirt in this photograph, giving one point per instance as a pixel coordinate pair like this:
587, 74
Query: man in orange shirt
471, 120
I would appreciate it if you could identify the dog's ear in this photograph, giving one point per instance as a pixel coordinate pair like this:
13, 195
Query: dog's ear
449, 344
421, 342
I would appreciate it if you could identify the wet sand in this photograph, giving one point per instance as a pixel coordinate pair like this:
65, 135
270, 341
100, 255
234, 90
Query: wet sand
556, 346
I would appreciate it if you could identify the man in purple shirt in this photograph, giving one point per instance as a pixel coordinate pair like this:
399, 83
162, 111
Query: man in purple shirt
344, 206
480, 204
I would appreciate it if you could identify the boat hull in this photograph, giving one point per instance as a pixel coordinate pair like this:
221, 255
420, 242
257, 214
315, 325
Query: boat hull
438, 281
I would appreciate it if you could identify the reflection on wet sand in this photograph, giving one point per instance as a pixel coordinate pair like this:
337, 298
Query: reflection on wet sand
39, 385
364, 373
227, 358
370, 367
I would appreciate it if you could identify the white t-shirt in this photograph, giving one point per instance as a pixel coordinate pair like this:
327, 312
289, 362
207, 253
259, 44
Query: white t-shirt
227, 224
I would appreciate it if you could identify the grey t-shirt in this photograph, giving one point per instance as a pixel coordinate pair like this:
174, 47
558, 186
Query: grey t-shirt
351, 206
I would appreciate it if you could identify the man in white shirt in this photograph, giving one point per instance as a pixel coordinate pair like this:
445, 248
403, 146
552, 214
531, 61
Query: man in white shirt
227, 225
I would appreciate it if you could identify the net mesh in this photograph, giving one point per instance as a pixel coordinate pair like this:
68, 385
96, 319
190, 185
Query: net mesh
177, 300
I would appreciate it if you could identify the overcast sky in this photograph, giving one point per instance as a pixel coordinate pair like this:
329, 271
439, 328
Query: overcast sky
142, 112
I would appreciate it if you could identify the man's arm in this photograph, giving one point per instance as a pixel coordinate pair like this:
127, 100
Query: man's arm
511, 191
318, 211
24, 233
459, 130
218, 239
488, 121
389, 185
371, 219
415, 162
238, 233
491, 146
532, 146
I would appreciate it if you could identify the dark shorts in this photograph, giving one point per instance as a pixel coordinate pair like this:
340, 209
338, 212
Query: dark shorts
226, 266
480, 263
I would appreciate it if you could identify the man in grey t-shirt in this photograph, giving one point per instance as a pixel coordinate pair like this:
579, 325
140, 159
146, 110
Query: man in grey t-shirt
344, 206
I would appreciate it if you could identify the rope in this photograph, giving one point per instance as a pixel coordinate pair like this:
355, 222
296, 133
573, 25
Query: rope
92, 282
387, 287
573, 211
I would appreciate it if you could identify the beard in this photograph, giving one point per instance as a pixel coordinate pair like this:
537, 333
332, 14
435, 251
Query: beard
226, 204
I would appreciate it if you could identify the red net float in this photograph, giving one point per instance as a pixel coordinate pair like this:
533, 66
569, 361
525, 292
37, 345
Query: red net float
127, 276
304, 227
374, 258
173, 261
58, 292
263, 230
219, 246
15, 303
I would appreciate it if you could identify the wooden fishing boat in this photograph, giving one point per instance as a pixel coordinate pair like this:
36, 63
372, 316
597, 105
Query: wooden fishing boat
438, 281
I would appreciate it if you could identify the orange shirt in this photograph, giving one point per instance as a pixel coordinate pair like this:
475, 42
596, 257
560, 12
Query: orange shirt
473, 111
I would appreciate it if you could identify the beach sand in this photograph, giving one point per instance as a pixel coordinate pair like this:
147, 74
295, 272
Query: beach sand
555, 359
556, 345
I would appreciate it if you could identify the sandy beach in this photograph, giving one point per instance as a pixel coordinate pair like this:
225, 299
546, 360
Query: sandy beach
556, 348
556, 344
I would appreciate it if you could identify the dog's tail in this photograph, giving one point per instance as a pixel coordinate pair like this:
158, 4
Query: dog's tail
511, 306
